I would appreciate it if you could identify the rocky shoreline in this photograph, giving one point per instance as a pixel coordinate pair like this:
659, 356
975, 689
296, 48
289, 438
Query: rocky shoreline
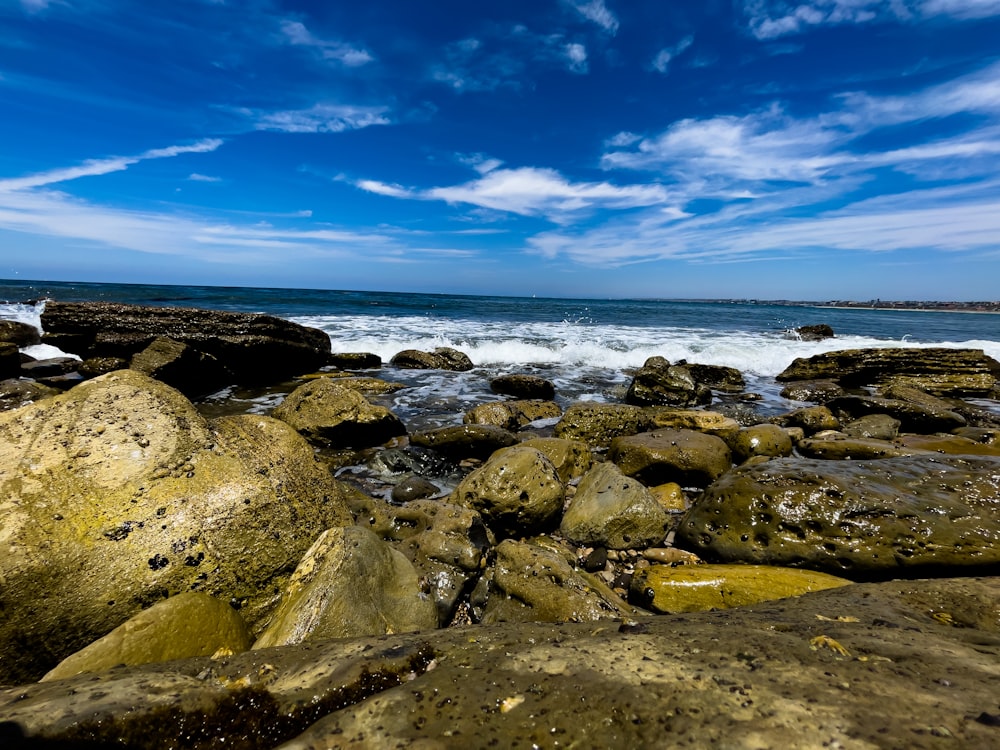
182, 576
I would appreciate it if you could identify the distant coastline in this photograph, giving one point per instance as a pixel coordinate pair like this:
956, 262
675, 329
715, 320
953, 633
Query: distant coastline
877, 304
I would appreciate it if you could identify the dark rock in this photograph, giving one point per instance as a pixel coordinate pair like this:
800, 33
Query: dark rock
21, 334
96, 366
759, 440
658, 382
877, 426
814, 391
523, 386
718, 377
465, 441
912, 416
62, 382
598, 424
355, 361
911, 515
951, 445
840, 448
256, 348
512, 415
192, 372
940, 371
10, 361
684, 456
414, 488
45, 368
18, 392
814, 332
442, 358
811, 419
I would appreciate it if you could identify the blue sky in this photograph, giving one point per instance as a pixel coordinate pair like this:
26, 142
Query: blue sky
822, 149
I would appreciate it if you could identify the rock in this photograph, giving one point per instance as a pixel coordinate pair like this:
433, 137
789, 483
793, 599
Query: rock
745, 414
951, 445
349, 583
598, 424
465, 441
912, 416
15, 393
815, 391
354, 361
330, 414
811, 419
691, 419
365, 386
190, 371
692, 459
814, 332
670, 496
10, 361
512, 415
759, 440
769, 675
18, 333
940, 371
118, 494
570, 457
534, 584
891, 517
96, 366
61, 382
717, 377
46, 368
980, 434
255, 348
875, 426
414, 488
696, 588
974, 415
840, 448
523, 386
517, 491
442, 358
658, 382
612, 511
181, 627
446, 543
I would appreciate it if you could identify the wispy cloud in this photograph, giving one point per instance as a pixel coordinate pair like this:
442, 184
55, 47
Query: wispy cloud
96, 167
530, 191
661, 62
296, 33
320, 118
597, 12
196, 177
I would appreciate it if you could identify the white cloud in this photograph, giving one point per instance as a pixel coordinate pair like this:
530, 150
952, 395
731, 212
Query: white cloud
321, 118
297, 34
961, 8
661, 62
96, 167
577, 56
597, 12
196, 177
479, 162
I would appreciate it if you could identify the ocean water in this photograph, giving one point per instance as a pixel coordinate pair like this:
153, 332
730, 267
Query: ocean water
585, 346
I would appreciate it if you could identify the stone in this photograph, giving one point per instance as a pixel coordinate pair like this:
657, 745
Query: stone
598, 424
330, 414
570, 457
880, 518
190, 371
912, 416
815, 391
517, 491
523, 386
255, 348
118, 494
531, 583
670, 496
349, 583
18, 333
16, 392
613, 511
911, 664
414, 488
354, 361
696, 588
841, 448
817, 332
465, 441
658, 382
442, 358
939, 371
875, 426
691, 419
10, 361
46, 368
512, 415
181, 627
96, 366
365, 386
717, 377
759, 440
692, 459
952, 445
987, 436
812, 419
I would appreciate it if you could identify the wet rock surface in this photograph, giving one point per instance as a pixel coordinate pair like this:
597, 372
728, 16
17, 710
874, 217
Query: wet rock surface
928, 649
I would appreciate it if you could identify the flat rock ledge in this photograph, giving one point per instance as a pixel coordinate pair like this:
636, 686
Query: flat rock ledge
899, 664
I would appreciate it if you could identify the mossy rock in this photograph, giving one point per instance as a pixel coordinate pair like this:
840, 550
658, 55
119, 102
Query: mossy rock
684, 456
512, 415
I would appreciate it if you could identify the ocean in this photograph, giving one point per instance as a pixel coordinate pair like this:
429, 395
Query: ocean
585, 346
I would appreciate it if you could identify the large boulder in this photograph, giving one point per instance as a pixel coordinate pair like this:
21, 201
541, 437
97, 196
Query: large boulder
442, 358
940, 371
118, 494
18, 333
255, 348
898, 664
349, 583
570, 457
10, 361
517, 491
512, 415
465, 441
192, 372
613, 511
687, 457
658, 382
912, 416
881, 518
523, 386
598, 424
333, 415
759, 440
